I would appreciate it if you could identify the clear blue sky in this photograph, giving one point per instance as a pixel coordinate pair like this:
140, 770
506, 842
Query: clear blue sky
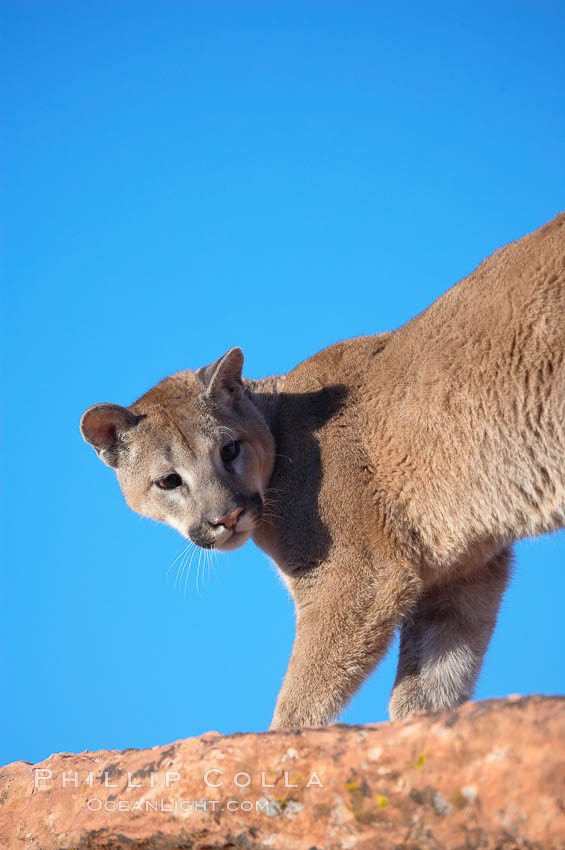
182, 177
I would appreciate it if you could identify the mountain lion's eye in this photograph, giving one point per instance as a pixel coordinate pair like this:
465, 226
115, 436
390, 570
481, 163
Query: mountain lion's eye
230, 451
169, 482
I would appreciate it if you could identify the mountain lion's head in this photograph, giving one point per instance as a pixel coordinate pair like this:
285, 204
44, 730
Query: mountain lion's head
194, 452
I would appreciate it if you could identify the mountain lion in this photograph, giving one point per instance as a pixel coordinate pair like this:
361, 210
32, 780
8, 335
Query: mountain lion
387, 477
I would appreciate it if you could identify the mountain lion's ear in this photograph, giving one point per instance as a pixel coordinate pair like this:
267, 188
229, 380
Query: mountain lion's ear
224, 375
102, 426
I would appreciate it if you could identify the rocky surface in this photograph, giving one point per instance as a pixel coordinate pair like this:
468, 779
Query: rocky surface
488, 775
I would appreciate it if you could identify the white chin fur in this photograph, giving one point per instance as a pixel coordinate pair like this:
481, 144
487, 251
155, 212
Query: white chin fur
234, 541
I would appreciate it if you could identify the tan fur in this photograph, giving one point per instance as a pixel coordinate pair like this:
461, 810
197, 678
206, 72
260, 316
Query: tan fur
386, 476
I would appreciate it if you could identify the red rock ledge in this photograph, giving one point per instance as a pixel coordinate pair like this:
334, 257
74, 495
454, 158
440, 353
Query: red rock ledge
488, 775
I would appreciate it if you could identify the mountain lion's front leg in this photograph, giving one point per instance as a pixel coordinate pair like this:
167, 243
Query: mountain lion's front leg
443, 641
345, 618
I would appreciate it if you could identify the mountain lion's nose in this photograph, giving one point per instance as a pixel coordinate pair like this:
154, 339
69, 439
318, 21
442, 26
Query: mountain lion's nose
230, 520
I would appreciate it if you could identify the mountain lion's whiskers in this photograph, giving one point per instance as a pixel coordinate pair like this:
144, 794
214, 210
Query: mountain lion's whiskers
182, 564
176, 559
188, 570
276, 454
198, 570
